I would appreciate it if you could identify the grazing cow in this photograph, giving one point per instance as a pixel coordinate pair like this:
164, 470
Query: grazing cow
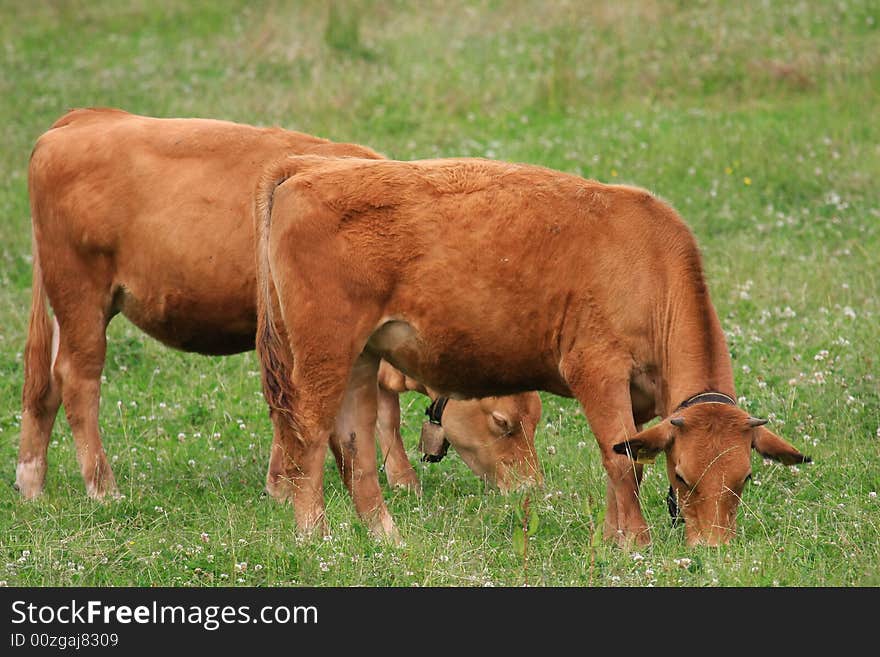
483, 278
495, 436
151, 218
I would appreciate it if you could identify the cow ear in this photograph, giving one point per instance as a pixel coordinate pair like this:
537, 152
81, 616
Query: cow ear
645, 445
768, 444
502, 422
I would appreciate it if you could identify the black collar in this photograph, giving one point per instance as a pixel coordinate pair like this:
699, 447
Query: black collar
435, 410
707, 398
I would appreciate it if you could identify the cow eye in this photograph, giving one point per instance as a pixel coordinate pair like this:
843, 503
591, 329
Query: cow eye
681, 480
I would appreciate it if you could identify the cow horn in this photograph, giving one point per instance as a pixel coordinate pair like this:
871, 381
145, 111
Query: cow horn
757, 422
677, 421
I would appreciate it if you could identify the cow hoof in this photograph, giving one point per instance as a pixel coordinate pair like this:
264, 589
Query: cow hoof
391, 537
382, 528
629, 539
280, 489
408, 482
103, 494
29, 478
311, 530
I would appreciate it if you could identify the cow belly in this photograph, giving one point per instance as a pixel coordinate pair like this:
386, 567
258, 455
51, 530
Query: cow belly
185, 322
451, 368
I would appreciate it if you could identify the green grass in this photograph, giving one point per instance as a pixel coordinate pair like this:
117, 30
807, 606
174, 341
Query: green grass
758, 122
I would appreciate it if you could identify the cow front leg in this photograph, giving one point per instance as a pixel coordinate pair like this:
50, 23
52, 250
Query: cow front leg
608, 407
398, 468
354, 447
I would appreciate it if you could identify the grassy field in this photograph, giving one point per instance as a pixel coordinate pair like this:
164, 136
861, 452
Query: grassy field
756, 120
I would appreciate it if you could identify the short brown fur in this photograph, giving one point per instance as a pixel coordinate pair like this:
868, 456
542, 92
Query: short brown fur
482, 278
151, 218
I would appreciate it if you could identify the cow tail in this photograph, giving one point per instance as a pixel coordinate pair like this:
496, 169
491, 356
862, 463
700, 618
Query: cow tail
38, 349
270, 342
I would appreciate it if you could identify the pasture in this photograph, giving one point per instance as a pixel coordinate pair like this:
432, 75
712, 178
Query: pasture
756, 121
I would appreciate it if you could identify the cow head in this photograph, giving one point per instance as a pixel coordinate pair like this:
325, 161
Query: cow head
495, 437
708, 461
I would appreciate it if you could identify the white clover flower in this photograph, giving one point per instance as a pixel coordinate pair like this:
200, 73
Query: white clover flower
636, 556
241, 567
204, 536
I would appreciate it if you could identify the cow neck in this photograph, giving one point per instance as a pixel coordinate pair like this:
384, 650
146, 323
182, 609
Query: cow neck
693, 355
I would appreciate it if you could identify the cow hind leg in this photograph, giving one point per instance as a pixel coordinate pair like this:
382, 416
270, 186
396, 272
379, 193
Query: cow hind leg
398, 469
302, 437
354, 447
295, 475
41, 398
81, 353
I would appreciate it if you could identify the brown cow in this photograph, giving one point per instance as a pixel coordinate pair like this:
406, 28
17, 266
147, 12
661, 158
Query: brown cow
151, 218
483, 278
495, 436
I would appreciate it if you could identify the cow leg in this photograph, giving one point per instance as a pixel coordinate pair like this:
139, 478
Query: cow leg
398, 469
608, 408
302, 436
296, 475
41, 398
279, 484
81, 352
613, 525
354, 447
